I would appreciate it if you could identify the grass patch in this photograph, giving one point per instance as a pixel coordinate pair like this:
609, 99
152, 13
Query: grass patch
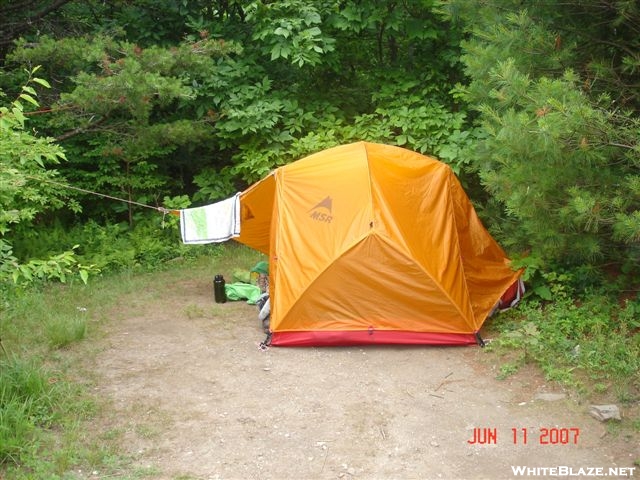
593, 346
39, 412
65, 331
27, 402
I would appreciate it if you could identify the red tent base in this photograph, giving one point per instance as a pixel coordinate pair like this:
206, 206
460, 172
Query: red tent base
369, 337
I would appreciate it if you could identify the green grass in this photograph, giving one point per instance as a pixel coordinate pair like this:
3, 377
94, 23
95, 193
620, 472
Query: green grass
38, 409
592, 346
26, 402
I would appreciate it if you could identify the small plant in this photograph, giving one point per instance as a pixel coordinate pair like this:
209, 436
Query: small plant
508, 369
600, 387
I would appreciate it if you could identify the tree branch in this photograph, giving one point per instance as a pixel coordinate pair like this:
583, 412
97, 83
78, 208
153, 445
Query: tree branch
26, 23
79, 130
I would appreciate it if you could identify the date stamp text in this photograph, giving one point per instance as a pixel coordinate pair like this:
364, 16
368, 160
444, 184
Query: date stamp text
525, 436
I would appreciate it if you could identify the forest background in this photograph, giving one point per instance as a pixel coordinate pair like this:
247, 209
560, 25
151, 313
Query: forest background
177, 103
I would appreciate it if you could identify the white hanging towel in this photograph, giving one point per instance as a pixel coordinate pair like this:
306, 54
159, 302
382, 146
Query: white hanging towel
212, 223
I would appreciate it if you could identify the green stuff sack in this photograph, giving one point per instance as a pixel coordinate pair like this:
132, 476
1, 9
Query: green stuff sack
242, 291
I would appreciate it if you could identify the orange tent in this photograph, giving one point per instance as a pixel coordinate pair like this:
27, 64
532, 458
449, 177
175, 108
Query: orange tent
373, 244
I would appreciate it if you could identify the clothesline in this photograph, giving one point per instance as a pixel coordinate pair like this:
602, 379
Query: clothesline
104, 195
213, 223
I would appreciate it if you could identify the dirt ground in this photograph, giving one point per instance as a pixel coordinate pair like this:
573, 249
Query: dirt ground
196, 398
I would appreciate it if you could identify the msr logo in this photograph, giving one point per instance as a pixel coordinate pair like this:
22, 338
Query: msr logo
322, 212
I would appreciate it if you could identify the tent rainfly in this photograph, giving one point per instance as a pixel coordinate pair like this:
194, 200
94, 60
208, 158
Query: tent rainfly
374, 244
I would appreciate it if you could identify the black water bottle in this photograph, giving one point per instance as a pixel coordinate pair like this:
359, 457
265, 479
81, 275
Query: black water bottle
218, 289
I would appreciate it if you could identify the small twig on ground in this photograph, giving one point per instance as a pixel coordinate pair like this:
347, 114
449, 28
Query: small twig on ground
326, 454
443, 381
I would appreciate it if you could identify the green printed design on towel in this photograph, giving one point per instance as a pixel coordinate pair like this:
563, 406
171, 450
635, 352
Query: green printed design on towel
199, 219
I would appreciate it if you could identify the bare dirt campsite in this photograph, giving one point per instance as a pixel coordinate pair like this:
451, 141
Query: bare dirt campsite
192, 396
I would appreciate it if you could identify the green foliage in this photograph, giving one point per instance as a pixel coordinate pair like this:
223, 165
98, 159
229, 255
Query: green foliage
371, 86
28, 402
214, 184
290, 30
552, 169
101, 249
412, 114
131, 124
590, 345
7, 261
25, 190
59, 267
23, 157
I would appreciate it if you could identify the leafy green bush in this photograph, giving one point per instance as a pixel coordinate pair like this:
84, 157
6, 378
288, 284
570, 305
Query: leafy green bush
58, 267
96, 248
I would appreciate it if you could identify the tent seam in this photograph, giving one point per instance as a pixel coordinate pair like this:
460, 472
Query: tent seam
464, 276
